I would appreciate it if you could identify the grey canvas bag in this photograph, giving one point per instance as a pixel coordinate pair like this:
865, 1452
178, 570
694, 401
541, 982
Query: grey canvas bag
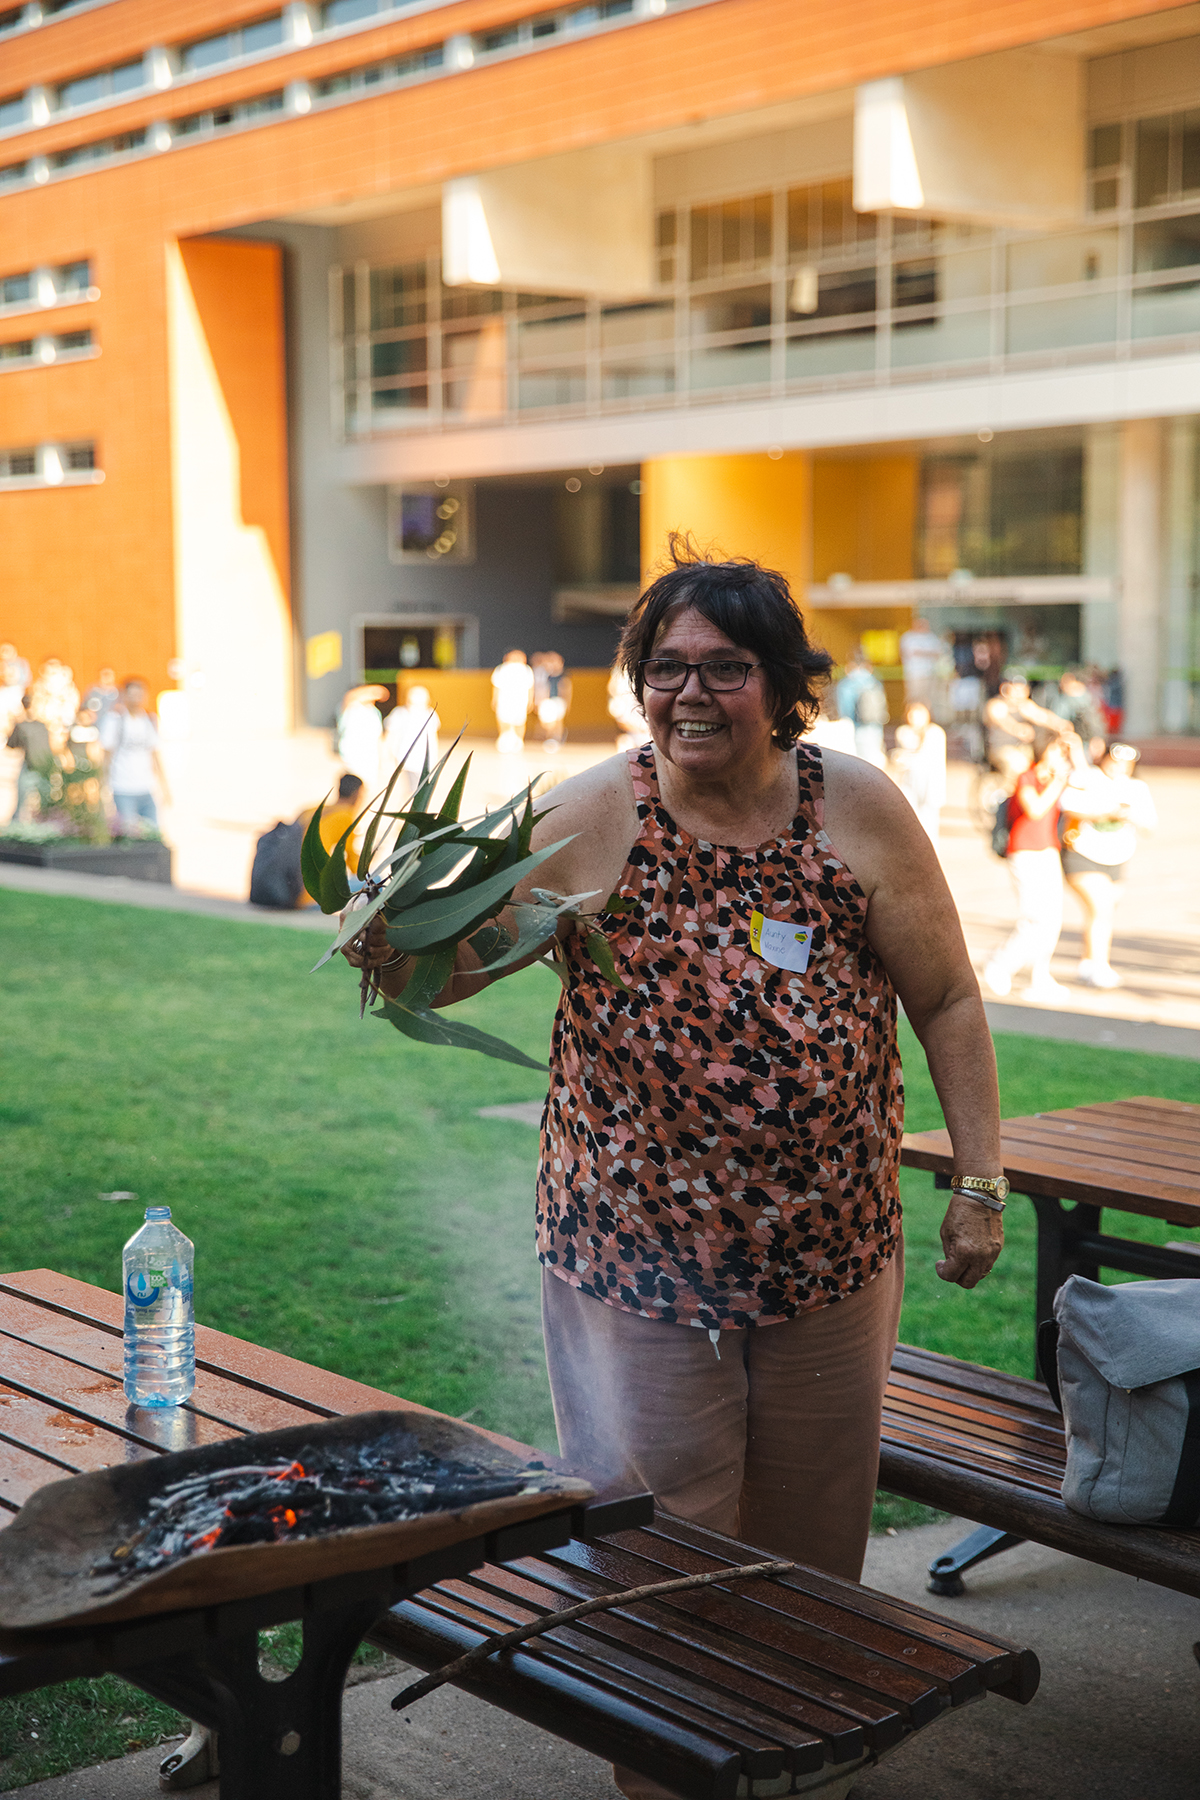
1129, 1377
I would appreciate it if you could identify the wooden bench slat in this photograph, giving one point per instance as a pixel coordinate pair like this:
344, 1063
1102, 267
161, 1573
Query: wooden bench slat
1032, 1435
686, 1760
960, 1675
1090, 1147
930, 1627
989, 1384
913, 1695
1144, 1139
835, 1712
734, 1692
963, 1456
960, 1424
762, 1755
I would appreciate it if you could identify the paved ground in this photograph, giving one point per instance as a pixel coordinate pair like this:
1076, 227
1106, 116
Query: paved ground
1117, 1717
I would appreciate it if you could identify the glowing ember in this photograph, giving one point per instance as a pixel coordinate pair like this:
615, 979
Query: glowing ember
275, 1503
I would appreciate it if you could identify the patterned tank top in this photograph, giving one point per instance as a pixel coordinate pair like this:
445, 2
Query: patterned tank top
720, 1146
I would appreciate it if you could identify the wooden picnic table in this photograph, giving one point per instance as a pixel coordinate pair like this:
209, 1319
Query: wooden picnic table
1134, 1156
63, 1412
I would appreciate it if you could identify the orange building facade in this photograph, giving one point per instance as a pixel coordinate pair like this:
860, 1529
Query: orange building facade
370, 337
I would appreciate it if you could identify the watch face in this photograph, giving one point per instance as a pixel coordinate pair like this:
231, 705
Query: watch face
1002, 1187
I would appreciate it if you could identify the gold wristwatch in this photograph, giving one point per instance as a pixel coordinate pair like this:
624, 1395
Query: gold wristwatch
990, 1190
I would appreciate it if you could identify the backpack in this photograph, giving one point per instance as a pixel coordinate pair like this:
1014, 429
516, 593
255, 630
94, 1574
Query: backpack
1002, 826
275, 877
1127, 1361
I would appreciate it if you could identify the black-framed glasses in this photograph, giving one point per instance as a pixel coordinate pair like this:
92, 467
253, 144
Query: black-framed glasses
667, 676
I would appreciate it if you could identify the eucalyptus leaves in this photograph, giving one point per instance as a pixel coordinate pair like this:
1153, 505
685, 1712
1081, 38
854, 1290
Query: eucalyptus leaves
442, 884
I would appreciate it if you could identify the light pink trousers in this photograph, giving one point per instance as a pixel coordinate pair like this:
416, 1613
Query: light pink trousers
774, 1441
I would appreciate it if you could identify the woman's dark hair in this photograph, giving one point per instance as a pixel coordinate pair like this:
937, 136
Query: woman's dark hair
754, 607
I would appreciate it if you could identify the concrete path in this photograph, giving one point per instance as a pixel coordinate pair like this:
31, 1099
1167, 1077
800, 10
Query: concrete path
1118, 1714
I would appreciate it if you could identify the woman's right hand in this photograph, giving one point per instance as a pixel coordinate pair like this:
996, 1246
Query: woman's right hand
378, 950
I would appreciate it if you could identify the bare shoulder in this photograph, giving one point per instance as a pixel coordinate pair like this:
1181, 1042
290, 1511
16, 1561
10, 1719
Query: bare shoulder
872, 826
597, 811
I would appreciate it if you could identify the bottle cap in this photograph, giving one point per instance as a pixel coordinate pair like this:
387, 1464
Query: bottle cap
158, 1212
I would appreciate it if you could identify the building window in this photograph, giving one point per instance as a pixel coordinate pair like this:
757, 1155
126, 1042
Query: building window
12, 111
71, 279
101, 151
19, 352
246, 40
16, 465
16, 290
102, 84
76, 457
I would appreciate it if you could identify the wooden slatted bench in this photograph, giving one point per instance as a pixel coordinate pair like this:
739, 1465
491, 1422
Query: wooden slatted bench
769, 1689
991, 1447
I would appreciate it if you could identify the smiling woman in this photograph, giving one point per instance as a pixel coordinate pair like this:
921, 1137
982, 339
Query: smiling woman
718, 1218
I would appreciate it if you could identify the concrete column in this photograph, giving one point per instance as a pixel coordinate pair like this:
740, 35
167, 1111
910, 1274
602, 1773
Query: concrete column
1179, 599
1101, 488
1139, 625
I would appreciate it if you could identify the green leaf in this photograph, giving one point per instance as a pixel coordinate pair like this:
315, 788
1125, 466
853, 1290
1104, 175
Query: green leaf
534, 925
368, 849
556, 967
335, 877
313, 854
430, 975
434, 1028
455, 915
434, 866
600, 951
453, 800
491, 940
615, 904
431, 777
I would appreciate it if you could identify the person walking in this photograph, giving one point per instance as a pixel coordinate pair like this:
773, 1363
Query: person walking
552, 698
512, 696
918, 765
55, 701
358, 731
103, 694
1074, 701
129, 740
861, 697
410, 736
32, 738
923, 655
1104, 809
1011, 722
1036, 869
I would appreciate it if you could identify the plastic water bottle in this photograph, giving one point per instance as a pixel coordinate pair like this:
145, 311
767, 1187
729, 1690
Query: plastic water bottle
160, 1331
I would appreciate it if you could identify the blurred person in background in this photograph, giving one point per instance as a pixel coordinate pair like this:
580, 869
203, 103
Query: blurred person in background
1112, 701
1104, 809
918, 765
410, 736
1074, 701
14, 685
31, 737
55, 700
512, 697
624, 710
552, 697
129, 740
922, 655
1012, 721
358, 732
1035, 865
103, 694
860, 697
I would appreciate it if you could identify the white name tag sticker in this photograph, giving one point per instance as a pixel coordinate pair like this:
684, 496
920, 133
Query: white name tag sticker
780, 942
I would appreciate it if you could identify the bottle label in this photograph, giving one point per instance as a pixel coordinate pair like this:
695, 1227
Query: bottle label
140, 1288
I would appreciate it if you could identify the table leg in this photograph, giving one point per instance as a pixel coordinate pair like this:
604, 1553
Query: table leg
1059, 1252
280, 1740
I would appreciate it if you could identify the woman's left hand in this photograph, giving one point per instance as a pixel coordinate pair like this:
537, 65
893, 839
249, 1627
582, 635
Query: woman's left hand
972, 1237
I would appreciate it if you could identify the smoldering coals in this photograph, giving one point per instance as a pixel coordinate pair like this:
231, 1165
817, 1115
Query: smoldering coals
319, 1491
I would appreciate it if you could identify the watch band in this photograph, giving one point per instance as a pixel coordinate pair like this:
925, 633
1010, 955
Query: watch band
983, 1199
995, 1185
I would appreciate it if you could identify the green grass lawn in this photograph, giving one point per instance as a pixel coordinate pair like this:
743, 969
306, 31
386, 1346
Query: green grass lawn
347, 1204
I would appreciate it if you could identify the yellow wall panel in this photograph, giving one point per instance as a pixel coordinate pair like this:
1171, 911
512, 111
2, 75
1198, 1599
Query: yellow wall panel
733, 506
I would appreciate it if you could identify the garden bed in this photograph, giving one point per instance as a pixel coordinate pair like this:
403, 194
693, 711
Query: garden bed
140, 859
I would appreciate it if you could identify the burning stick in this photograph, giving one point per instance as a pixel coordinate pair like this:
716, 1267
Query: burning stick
506, 1640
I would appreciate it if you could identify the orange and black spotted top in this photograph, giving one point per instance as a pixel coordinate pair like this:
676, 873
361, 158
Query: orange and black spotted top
720, 1146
